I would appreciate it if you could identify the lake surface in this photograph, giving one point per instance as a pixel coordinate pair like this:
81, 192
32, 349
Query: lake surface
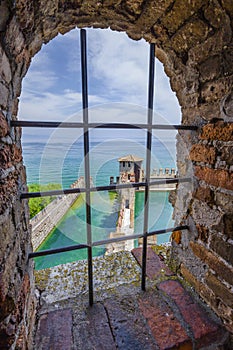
64, 163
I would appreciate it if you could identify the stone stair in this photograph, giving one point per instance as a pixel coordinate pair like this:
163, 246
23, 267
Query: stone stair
168, 316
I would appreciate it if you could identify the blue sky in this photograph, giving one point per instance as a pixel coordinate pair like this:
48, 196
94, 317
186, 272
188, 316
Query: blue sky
117, 76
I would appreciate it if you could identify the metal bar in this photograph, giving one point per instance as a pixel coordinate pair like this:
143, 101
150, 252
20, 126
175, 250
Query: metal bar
148, 161
43, 124
105, 241
86, 159
67, 191
57, 250
139, 235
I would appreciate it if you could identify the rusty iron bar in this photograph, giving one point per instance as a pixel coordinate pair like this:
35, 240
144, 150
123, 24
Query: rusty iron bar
83, 40
105, 241
148, 161
27, 195
44, 124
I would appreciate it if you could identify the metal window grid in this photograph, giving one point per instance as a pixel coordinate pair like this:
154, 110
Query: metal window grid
149, 127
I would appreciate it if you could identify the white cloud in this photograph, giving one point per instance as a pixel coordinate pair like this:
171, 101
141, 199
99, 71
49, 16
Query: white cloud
118, 71
120, 64
166, 102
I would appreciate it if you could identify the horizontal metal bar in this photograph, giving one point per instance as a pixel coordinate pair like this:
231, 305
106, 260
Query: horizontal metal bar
50, 124
41, 124
139, 235
106, 241
164, 181
57, 250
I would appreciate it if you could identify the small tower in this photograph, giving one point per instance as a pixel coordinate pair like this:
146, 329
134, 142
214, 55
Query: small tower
130, 169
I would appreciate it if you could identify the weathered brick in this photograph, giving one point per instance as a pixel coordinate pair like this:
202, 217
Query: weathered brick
221, 269
215, 177
227, 69
204, 194
157, 8
180, 11
203, 233
215, 15
219, 131
176, 236
4, 127
55, 330
204, 329
227, 154
201, 288
194, 32
128, 325
210, 69
164, 326
201, 153
155, 267
92, 329
219, 289
228, 225
5, 69
224, 200
3, 95
204, 215
222, 247
228, 5
214, 90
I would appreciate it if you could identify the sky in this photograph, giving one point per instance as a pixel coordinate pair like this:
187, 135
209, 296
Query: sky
117, 83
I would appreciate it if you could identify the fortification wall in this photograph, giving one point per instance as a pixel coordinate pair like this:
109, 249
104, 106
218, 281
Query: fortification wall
48, 218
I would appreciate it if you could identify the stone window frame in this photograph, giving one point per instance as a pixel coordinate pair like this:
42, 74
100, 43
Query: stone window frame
149, 127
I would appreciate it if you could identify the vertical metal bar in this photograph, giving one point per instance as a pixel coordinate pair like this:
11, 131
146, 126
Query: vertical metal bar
86, 159
148, 161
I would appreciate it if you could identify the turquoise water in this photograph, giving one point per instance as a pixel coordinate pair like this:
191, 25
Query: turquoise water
63, 163
72, 229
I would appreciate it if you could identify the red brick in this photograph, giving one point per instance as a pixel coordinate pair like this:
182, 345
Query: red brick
219, 289
222, 248
212, 261
4, 128
204, 194
55, 330
92, 329
215, 177
201, 153
155, 267
204, 329
164, 326
128, 325
203, 233
218, 131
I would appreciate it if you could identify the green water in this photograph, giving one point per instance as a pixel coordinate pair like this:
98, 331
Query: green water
160, 213
71, 229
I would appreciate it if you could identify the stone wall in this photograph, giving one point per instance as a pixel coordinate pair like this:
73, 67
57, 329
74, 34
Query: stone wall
48, 218
204, 254
194, 42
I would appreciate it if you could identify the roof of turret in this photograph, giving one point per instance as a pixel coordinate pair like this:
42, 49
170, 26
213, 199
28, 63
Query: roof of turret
130, 158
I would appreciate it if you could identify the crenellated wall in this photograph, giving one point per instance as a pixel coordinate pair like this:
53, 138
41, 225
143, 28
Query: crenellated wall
194, 42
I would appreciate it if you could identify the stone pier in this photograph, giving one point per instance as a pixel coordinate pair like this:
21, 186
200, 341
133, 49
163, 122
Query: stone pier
125, 224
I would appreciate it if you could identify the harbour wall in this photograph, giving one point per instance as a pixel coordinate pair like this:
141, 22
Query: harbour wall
48, 218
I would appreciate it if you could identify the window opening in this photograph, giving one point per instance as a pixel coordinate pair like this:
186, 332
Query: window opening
147, 183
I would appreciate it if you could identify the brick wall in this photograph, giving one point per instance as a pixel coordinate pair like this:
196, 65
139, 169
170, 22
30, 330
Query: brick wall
194, 42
